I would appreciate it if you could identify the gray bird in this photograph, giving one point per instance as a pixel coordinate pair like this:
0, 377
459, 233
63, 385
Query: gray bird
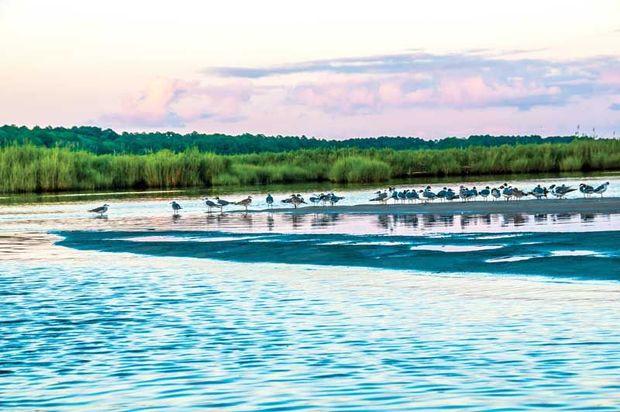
222, 202
269, 200
101, 209
601, 189
210, 204
175, 207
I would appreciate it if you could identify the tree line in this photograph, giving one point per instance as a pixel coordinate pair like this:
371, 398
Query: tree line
106, 141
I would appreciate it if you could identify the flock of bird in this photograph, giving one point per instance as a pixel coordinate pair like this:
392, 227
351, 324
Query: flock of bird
425, 195
464, 194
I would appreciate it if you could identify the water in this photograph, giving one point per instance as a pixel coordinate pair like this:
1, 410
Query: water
143, 311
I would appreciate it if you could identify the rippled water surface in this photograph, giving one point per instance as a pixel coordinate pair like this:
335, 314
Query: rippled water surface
274, 312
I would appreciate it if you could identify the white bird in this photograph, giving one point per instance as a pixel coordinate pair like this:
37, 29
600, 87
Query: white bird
101, 209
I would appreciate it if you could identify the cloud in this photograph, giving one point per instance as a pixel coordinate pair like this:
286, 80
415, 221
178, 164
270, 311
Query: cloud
174, 103
371, 84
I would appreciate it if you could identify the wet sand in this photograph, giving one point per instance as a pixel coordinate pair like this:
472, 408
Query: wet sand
530, 206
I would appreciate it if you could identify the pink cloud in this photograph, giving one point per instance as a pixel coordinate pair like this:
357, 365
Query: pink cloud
174, 102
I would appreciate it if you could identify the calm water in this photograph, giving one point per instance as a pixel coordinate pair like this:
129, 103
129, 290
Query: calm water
274, 312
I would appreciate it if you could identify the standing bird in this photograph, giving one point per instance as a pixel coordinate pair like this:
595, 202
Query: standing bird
507, 191
175, 207
101, 209
539, 192
496, 193
210, 204
269, 200
428, 194
601, 189
381, 197
221, 202
333, 199
587, 190
245, 202
485, 192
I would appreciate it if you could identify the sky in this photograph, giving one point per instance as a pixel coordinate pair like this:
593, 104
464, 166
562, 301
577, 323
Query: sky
332, 69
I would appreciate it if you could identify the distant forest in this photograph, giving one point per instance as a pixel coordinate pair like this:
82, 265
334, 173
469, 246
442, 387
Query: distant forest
106, 141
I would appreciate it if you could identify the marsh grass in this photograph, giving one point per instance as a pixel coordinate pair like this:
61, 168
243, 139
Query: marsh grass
28, 168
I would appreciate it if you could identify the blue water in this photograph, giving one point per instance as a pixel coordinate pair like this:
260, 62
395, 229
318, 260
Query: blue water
320, 312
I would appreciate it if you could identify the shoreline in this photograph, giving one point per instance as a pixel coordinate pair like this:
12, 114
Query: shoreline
529, 206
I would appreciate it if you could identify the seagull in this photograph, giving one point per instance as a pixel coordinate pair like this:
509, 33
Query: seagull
316, 199
269, 200
485, 192
245, 202
450, 195
601, 189
333, 199
210, 204
496, 193
507, 191
101, 209
175, 207
428, 194
222, 202
297, 200
381, 197
394, 196
539, 192
412, 195
586, 189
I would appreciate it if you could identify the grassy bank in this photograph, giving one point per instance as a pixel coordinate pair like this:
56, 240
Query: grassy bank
27, 168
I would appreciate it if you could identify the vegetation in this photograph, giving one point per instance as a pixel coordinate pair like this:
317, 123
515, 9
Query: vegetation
30, 168
96, 140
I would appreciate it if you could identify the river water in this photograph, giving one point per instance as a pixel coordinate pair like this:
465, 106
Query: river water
141, 310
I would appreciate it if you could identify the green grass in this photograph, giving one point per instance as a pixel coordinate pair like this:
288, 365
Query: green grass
27, 168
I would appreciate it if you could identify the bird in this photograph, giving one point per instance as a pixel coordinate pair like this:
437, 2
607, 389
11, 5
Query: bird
316, 199
381, 197
222, 202
394, 196
210, 204
561, 191
539, 192
428, 194
495, 192
586, 189
297, 200
507, 191
442, 193
245, 202
101, 209
601, 189
450, 195
518, 193
269, 200
175, 207
485, 192
412, 195
333, 199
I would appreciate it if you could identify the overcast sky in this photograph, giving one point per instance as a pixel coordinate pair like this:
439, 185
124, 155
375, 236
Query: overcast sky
320, 68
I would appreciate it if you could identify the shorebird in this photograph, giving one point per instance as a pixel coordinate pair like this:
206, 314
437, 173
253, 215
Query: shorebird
221, 202
561, 191
175, 207
601, 189
210, 204
101, 209
381, 197
587, 190
450, 195
245, 202
297, 200
333, 199
518, 193
394, 196
496, 193
412, 195
539, 192
428, 194
507, 191
316, 199
485, 192
442, 193
269, 200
